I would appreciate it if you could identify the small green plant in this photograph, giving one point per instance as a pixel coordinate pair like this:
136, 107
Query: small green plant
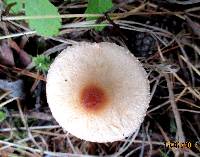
163, 154
44, 27
50, 26
42, 62
98, 7
2, 116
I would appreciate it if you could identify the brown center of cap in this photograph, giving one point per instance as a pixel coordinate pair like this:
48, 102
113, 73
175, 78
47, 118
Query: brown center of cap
93, 98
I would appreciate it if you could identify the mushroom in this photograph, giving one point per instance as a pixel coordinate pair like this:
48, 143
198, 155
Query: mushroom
98, 92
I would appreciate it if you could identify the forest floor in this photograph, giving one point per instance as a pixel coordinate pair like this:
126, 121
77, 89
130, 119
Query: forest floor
163, 35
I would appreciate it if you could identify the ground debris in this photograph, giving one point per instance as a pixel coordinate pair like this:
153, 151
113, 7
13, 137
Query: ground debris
6, 54
24, 58
16, 88
193, 25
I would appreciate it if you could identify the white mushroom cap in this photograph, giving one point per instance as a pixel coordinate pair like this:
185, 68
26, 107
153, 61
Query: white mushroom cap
98, 92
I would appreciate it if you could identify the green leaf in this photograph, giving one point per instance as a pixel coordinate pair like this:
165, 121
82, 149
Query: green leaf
2, 116
18, 6
98, 7
44, 27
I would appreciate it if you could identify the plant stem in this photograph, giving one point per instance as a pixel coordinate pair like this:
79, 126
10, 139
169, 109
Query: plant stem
11, 18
